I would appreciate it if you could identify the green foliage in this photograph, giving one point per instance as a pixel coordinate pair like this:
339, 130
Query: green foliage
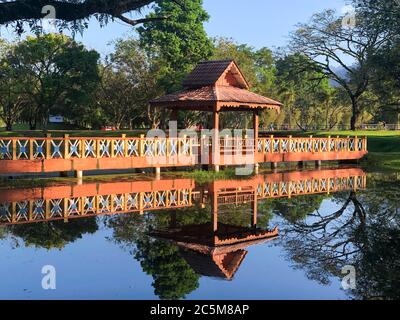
258, 67
54, 234
180, 40
56, 74
173, 277
129, 81
309, 99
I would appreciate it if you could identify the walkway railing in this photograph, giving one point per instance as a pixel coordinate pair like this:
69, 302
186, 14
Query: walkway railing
23, 155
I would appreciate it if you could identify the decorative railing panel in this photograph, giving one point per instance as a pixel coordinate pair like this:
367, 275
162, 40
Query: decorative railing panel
66, 208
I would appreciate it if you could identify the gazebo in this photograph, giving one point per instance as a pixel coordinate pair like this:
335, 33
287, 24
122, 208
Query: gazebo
217, 86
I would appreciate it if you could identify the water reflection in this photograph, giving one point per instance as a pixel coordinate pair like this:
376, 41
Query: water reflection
180, 231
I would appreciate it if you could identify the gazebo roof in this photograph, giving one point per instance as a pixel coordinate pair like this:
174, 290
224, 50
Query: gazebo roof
215, 86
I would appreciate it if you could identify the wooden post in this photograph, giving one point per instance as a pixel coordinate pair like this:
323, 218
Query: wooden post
66, 146
83, 153
271, 147
30, 149
215, 142
141, 145
14, 149
328, 148
124, 145
174, 115
214, 212
112, 148
48, 146
254, 210
256, 124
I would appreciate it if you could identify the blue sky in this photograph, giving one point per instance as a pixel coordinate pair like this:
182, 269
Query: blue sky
260, 23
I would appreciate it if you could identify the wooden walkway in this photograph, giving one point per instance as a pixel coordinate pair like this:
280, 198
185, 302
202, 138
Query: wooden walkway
44, 155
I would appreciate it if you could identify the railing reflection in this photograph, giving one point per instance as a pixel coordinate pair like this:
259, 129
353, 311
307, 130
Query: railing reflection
67, 202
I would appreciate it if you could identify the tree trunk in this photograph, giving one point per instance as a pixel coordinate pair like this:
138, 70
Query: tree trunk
355, 115
8, 126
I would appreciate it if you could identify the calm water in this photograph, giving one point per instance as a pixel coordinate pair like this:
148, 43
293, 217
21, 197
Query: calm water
182, 239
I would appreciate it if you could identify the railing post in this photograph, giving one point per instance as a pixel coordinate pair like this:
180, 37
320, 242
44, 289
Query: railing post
356, 143
365, 144
30, 149
348, 144
271, 143
98, 153
312, 144
112, 148
66, 146
337, 143
83, 153
125, 145
14, 151
48, 146
141, 145
290, 144
328, 148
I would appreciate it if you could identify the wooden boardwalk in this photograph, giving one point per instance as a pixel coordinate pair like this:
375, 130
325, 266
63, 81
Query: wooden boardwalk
44, 155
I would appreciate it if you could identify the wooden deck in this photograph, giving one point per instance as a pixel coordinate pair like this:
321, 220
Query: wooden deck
44, 155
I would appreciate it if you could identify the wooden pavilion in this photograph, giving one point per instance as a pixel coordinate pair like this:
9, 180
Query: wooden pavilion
217, 86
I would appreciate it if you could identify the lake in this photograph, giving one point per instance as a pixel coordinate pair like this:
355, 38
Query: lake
312, 234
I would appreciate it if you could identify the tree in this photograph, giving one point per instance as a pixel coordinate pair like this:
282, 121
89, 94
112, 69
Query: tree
383, 17
172, 276
258, 66
309, 99
12, 99
380, 15
53, 234
341, 52
364, 233
72, 14
129, 81
56, 74
180, 40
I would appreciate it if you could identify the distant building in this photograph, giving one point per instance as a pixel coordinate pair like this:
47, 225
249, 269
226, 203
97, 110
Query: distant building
56, 119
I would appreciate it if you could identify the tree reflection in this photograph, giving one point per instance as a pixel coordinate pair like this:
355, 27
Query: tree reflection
363, 232
53, 234
172, 276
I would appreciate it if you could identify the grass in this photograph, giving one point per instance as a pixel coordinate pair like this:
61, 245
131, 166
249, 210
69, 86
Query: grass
203, 177
59, 130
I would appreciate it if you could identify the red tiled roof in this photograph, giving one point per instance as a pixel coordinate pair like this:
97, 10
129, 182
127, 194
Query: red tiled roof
215, 85
206, 73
